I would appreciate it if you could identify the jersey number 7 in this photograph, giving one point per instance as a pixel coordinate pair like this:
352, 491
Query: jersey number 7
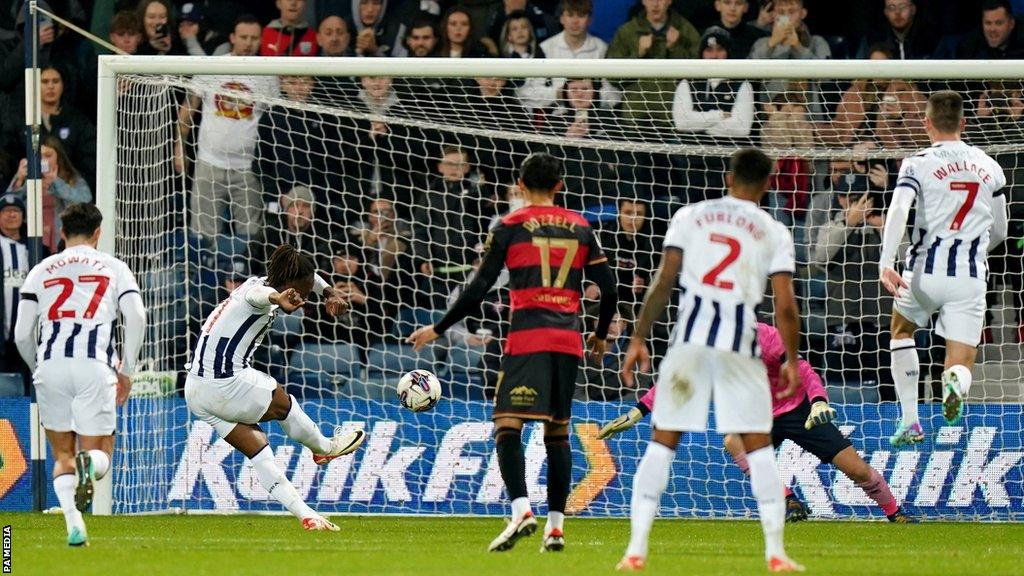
67, 286
972, 192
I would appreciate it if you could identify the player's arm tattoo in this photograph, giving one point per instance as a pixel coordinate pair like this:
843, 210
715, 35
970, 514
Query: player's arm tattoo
659, 292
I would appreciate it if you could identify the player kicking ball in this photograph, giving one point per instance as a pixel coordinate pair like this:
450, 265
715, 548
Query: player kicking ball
226, 392
547, 250
73, 298
721, 253
804, 418
960, 217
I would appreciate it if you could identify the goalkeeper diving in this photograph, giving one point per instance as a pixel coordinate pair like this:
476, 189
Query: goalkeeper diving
805, 418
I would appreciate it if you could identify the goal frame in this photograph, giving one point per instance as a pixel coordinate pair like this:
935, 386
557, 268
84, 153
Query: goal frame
110, 67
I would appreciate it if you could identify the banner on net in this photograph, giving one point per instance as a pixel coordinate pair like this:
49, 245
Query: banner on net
443, 462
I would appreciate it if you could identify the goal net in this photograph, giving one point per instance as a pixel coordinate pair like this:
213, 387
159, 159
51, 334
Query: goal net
390, 173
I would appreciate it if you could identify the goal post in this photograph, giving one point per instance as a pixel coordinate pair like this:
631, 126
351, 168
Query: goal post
391, 187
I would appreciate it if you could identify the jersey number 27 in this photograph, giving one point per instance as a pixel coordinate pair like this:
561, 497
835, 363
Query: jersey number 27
67, 287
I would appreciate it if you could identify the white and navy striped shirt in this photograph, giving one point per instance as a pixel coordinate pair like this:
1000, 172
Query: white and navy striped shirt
231, 333
954, 184
15, 263
730, 248
78, 292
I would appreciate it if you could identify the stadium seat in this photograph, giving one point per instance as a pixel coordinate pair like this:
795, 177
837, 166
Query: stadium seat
853, 392
230, 246
387, 361
815, 323
385, 364
288, 325
176, 242
464, 384
947, 47
463, 374
169, 287
326, 368
409, 319
194, 250
601, 213
841, 49
11, 385
817, 286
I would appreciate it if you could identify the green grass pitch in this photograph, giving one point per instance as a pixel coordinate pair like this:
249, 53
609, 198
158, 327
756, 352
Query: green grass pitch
277, 546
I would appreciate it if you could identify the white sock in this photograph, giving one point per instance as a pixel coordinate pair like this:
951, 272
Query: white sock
100, 463
771, 501
520, 506
555, 522
64, 486
964, 376
649, 483
906, 370
274, 480
301, 428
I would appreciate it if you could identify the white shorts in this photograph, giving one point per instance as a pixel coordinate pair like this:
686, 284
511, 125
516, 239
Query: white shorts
225, 402
691, 374
76, 396
960, 302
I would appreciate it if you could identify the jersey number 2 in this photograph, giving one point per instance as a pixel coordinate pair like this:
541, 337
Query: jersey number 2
734, 253
67, 286
972, 192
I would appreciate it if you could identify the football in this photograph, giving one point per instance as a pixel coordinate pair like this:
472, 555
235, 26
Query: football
419, 390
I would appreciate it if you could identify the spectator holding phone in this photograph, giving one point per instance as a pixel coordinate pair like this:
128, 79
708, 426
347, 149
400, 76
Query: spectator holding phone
62, 186
848, 247
791, 39
158, 28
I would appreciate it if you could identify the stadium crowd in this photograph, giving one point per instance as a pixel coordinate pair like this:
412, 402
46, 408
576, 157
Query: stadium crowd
397, 212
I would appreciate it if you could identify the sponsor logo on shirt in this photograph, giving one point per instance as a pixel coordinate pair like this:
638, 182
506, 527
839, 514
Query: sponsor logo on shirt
231, 106
14, 278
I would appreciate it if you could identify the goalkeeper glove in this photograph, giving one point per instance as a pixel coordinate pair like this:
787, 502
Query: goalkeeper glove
624, 422
821, 413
